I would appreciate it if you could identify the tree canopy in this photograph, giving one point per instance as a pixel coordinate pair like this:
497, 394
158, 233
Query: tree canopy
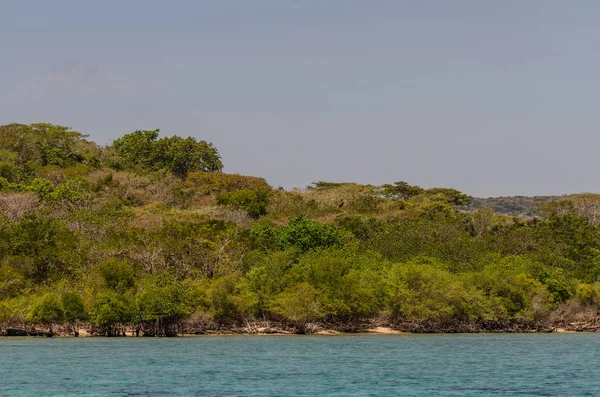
142, 150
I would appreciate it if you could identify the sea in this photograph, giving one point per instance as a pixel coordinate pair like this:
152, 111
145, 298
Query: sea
322, 365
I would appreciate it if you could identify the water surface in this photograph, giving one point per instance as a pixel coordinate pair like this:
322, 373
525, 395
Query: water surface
353, 365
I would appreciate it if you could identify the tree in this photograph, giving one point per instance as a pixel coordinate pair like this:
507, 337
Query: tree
162, 305
138, 150
6, 312
572, 237
452, 196
513, 295
17, 205
345, 281
304, 235
74, 193
47, 311
401, 190
130, 184
588, 205
587, 294
482, 220
556, 283
143, 151
270, 277
12, 283
46, 247
74, 310
112, 311
560, 207
47, 144
423, 293
299, 304
183, 155
118, 275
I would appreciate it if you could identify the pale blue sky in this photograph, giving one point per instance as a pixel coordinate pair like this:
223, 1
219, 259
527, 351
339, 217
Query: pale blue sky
490, 97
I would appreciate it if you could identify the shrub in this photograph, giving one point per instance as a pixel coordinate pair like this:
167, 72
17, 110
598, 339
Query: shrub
587, 294
254, 202
219, 182
42, 187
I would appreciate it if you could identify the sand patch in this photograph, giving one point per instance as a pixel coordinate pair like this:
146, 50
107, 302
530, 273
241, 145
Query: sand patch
384, 330
328, 332
563, 331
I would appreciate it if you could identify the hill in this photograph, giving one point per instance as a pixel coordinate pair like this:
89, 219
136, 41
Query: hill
148, 236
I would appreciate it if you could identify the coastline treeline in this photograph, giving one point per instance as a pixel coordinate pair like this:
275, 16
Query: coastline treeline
148, 236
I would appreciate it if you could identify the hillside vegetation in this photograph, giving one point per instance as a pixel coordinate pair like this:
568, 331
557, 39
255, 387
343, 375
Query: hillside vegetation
521, 206
149, 236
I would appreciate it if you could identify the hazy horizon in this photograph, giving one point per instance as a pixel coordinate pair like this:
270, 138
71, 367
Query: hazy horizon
491, 98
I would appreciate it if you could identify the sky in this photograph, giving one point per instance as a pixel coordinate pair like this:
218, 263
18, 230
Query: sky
488, 97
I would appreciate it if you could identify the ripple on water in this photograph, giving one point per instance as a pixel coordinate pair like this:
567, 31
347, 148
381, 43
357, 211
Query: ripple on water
341, 365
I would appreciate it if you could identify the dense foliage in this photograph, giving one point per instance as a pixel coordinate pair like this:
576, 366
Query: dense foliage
148, 236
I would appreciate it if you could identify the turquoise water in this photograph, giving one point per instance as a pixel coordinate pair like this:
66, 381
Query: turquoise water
353, 365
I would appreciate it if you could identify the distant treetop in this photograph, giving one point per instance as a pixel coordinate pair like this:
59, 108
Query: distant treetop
44, 144
143, 150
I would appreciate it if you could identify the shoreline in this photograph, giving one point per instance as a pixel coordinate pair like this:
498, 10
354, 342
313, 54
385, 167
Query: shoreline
323, 332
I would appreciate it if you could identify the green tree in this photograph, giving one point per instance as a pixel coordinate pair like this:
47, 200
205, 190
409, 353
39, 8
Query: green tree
117, 275
12, 282
46, 144
111, 313
587, 294
138, 150
428, 295
556, 283
221, 298
46, 247
74, 193
346, 281
401, 190
514, 296
572, 237
142, 150
452, 196
299, 304
162, 305
184, 155
48, 310
74, 310
301, 234
270, 277
6, 312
